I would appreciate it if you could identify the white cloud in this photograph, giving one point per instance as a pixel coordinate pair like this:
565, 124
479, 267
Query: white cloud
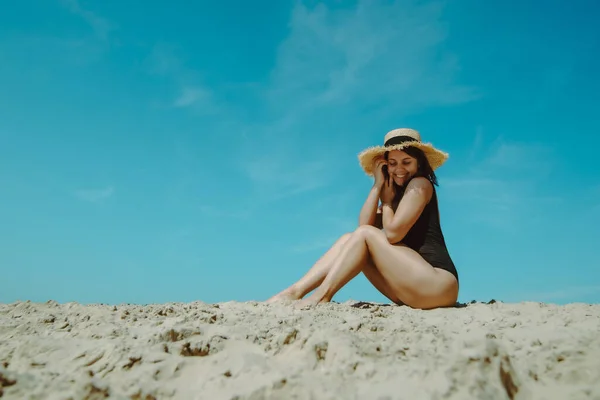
191, 96
101, 26
95, 195
281, 175
164, 61
35, 48
383, 55
375, 53
535, 158
505, 186
477, 142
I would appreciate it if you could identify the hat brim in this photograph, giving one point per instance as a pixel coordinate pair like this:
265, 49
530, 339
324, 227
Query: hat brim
434, 156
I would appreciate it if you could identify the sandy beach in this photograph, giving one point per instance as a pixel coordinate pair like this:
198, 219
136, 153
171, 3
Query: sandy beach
253, 350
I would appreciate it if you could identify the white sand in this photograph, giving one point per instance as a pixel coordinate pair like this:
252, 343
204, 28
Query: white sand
258, 351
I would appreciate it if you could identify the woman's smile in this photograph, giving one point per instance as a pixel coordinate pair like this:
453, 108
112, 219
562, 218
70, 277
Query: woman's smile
398, 177
401, 166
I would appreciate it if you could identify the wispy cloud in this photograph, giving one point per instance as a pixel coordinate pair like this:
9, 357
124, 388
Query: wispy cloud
36, 48
477, 143
284, 178
189, 91
163, 60
520, 156
101, 26
331, 229
192, 95
373, 54
504, 186
384, 56
95, 195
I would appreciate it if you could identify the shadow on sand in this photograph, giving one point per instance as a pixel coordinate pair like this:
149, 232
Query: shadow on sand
367, 305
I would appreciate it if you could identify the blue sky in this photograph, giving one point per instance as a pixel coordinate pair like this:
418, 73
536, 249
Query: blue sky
153, 153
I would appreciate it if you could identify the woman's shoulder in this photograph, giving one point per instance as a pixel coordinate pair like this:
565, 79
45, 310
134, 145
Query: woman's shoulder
420, 183
421, 188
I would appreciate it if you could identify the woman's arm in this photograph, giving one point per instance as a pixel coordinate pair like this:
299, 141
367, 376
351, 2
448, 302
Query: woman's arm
368, 213
417, 195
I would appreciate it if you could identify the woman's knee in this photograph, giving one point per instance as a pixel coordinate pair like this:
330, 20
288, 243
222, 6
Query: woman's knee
345, 237
366, 229
360, 234
365, 232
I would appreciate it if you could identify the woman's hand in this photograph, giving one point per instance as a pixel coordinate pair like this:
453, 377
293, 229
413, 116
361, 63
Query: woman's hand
388, 191
380, 177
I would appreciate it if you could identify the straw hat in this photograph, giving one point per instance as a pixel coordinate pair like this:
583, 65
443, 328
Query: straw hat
399, 139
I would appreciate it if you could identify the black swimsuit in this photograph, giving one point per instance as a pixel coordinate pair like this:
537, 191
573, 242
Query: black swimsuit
427, 239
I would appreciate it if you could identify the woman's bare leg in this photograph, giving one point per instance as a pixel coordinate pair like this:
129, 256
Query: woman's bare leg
374, 276
407, 275
314, 276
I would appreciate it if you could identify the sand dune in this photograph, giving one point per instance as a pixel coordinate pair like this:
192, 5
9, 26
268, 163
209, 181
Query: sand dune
336, 351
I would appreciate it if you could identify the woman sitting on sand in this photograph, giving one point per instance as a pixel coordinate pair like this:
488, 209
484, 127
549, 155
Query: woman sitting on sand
399, 246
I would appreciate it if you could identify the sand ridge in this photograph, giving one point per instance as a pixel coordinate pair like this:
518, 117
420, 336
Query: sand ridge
252, 350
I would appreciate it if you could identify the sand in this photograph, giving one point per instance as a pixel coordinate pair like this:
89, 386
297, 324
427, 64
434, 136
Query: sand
253, 350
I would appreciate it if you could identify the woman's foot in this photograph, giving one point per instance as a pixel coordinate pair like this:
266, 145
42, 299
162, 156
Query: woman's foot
316, 298
285, 296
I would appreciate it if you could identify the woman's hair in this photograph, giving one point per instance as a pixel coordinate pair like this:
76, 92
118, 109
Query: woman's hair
423, 167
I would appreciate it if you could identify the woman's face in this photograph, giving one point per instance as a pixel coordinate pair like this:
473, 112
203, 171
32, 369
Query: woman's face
401, 166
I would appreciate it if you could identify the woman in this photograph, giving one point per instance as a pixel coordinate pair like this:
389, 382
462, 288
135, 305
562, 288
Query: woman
399, 246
